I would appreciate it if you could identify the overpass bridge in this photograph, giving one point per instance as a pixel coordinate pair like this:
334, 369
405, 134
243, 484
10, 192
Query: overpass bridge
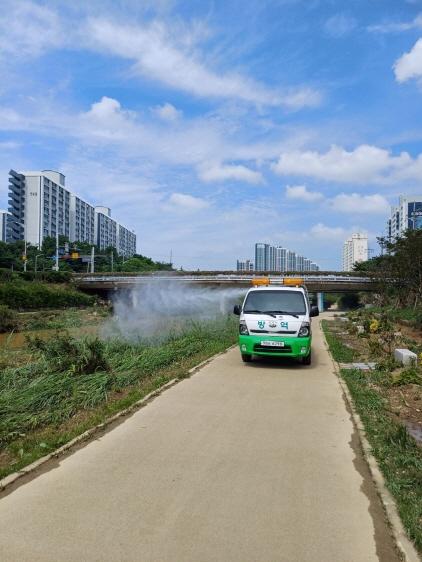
315, 283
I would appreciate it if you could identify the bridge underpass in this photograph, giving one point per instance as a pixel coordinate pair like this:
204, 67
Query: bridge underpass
320, 284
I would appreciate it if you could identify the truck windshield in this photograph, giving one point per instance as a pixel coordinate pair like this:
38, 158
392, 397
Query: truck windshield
292, 302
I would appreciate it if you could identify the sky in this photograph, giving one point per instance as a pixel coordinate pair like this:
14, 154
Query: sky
208, 126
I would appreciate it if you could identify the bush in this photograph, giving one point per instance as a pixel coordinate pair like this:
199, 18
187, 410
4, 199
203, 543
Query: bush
6, 275
64, 353
8, 319
24, 295
47, 276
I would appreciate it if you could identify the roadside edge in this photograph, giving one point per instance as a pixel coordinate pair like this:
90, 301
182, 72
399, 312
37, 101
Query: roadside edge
404, 544
86, 435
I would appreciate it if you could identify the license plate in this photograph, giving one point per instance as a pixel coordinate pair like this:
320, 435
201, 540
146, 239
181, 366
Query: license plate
271, 343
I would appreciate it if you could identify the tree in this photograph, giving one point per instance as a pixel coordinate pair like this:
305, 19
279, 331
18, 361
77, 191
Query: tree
399, 270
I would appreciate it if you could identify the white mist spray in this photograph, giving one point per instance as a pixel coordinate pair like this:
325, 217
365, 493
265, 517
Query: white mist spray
157, 309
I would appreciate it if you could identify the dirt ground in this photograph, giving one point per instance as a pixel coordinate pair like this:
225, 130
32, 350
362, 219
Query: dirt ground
405, 400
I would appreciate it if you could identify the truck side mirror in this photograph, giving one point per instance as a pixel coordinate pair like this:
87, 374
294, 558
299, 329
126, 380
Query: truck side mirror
236, 309
314, 311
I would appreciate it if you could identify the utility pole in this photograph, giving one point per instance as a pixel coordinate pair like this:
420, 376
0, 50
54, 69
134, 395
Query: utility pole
92, 259
36, 259
56, 265
25, 257
171, 256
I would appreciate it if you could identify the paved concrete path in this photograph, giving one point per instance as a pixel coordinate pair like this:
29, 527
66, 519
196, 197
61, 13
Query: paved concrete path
242, 463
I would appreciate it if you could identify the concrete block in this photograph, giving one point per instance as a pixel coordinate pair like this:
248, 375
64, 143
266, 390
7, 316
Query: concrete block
405, 356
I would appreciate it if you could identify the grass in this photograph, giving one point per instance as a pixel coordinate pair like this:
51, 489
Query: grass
72, 385
69, 318
399, 457
339, 351
27, 295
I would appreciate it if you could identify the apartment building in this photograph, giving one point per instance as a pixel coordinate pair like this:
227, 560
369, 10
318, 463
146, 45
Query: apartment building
355, 250
277, 258
407, 215
40, 205
244, 265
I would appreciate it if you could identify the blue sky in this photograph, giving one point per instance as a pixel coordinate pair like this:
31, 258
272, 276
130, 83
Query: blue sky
208, 126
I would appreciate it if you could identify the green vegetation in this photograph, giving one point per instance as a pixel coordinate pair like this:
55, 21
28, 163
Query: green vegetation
11, 258
63, 319
25, 295
399, 270
8, 319
399, 457
339, 351
69, 385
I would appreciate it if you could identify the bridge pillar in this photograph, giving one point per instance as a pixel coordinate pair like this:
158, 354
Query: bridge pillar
320, 301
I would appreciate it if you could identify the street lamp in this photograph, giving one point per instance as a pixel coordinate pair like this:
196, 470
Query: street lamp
36, 258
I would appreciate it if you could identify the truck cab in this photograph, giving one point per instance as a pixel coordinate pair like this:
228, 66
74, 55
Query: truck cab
276, 321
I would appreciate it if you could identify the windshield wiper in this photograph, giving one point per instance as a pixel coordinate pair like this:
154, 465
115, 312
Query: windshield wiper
269, 313
284, 312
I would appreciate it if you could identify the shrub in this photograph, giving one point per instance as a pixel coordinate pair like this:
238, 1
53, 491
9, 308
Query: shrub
8, 319
64, 353
24, 295
47, 276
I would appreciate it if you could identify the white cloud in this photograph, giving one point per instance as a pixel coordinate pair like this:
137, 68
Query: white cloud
167, 112
219, 172
360, 204
364, 164
409, 65
396, 27
28, 29
339, 25
171, 59
324, 232
188, 202
301, 192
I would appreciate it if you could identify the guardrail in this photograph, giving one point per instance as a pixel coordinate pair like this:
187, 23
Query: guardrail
221, 278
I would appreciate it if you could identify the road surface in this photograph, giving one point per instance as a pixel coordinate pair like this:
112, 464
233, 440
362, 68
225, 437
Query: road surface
240, 463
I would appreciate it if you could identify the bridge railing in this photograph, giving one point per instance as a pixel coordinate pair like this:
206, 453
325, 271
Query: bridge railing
220, 278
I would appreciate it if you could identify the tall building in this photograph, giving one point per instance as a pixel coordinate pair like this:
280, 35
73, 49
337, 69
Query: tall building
82, 220
355, 250
3, 223
407, 215
277, 258
244, 265
291, 260
41, 206
280, 259
300, 263
261, 256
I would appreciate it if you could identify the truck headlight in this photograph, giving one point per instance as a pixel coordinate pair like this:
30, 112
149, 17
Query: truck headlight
304, 330
243, 329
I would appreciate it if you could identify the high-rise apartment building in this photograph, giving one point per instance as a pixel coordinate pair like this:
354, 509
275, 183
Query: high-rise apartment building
355, 250
41, 206
261, 256
277, 258
407, 215
3, 223
82, 220
291, 261
244, 265
280, 259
